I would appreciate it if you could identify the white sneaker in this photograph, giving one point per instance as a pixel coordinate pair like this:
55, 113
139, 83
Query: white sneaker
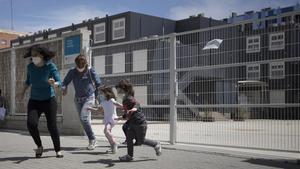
92, 145
115, 148
157, 149
109, 150
59, 154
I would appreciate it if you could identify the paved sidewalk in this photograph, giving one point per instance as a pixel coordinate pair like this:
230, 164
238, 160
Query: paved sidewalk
16, 152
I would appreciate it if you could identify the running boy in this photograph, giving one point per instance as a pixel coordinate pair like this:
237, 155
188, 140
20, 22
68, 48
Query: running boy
137, 124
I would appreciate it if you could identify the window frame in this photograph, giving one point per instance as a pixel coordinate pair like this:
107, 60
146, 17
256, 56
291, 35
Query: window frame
253, 71
280, 95
118, 63
119, 28
272, 48
96, 33
272, 70
98, 65
137, 58
252, 43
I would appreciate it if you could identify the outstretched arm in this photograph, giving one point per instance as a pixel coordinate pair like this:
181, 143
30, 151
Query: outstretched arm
96, 110
119, 105
67, 80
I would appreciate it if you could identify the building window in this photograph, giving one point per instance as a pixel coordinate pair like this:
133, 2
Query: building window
277, 70
139, 60
52, 36
141, 94
99, 64
68, 31
99, 33
26, 41
253, 72
118, 63
39, 39
253, 44
118, 31
15, 44
276, 41
277, 96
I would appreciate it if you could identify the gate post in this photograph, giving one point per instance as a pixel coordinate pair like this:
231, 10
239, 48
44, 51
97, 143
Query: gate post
173, 90
13, 81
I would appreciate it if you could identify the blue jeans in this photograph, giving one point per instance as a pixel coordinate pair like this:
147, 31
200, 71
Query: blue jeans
85, 115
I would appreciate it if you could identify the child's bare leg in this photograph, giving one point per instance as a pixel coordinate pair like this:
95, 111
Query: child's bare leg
108, 134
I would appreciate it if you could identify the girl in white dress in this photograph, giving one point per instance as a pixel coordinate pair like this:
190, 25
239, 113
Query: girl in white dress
108, 106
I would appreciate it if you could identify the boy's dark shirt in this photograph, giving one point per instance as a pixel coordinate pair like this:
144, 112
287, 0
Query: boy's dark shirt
134, 117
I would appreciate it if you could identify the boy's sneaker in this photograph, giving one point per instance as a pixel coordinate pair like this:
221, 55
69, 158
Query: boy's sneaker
126, 158
59, 154
157, 149
92, 145
39, 152
115, 148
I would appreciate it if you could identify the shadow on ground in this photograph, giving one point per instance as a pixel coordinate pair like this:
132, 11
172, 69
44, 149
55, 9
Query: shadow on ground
19, 160
278, 163
111, 163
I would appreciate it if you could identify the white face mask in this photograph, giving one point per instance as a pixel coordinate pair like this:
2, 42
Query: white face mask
36, 60
80, 70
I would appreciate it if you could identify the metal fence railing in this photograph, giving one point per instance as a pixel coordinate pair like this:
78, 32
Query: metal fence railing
229, 96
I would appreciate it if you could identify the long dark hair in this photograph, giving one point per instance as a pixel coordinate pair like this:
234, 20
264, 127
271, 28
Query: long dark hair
126, 86
109, 94
45, 52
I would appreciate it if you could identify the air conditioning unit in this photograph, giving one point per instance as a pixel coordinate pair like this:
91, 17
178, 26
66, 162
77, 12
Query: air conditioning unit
144, 38
201, 14
275, 24
153, 36
283, 23
193, 16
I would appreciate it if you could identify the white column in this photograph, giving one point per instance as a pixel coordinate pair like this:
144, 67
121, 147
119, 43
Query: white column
71, 122
173, 90
13, 81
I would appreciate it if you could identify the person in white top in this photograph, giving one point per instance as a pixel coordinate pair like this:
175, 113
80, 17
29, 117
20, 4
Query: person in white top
108, 106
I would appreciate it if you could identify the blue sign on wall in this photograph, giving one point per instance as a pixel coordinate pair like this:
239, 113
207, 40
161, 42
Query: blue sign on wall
72, 46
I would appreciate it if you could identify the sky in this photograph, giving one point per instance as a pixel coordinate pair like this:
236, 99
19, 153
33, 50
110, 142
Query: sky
35, 15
